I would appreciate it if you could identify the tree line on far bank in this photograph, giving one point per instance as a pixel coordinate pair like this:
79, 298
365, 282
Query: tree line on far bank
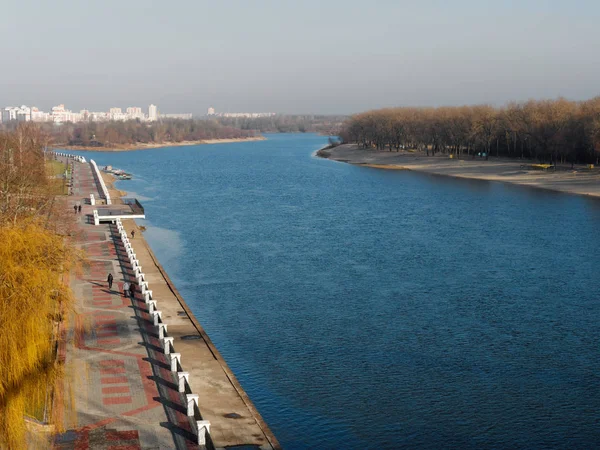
546, 130
113, 133
323, 124
106, 134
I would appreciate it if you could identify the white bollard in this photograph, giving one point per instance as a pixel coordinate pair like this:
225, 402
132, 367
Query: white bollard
162, 330
151, 306
167, 344
192, 403
92, 200
203, 431
175, 360
183, 377
157, 317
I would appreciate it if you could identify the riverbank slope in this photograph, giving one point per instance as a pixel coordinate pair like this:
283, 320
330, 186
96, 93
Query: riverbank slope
147, 146
580, 180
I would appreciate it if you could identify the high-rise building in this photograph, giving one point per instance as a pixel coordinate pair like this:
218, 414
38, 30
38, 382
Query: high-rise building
21, 114
152, 113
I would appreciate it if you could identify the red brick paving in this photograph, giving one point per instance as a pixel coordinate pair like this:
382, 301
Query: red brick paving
116, 390
113, 380
116, 400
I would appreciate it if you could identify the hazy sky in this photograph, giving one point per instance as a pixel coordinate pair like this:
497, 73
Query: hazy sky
301, 56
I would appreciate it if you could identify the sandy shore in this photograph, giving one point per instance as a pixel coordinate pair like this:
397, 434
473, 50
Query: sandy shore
580, 180
142, 146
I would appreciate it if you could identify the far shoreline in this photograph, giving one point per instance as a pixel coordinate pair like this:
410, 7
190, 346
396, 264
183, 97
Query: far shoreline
577, 181
150, 146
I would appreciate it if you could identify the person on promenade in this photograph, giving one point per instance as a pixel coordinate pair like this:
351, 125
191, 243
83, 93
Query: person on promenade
132, 234
75, 208
110, 280
126, 289
79, 208
132, 290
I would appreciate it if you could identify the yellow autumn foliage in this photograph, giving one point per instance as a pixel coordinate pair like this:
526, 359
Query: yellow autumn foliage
33, 299
35, 260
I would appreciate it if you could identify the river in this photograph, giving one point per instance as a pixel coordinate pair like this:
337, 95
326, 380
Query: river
363, 308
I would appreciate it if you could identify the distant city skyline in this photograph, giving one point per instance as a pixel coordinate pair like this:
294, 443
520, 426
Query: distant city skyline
319, 57
62, 114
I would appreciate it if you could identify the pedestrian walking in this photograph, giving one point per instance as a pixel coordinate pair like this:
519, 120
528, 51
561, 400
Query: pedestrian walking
132, 234
132, 290
110, 280
126, 286
75, 208
79, 209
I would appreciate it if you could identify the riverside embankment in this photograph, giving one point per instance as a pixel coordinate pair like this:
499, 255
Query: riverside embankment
141, 377
580, 180
234, 420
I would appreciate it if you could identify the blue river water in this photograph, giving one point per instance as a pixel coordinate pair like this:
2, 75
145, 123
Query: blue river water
362, 308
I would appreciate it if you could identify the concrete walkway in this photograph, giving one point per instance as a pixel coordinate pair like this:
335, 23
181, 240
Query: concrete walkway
125, 396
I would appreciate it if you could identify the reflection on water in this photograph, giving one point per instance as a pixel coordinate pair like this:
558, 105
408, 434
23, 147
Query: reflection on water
166, 243
140, 197
383, 309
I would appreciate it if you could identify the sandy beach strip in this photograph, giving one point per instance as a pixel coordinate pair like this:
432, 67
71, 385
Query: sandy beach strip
580, 180
142, 146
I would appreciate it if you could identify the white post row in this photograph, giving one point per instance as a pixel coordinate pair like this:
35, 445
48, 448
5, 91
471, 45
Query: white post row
202, 426
92, 200
96, 218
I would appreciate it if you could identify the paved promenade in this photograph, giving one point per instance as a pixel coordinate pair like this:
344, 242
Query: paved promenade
125, 395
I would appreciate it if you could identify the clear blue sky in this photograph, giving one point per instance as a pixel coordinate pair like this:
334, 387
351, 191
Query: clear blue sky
309, 56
